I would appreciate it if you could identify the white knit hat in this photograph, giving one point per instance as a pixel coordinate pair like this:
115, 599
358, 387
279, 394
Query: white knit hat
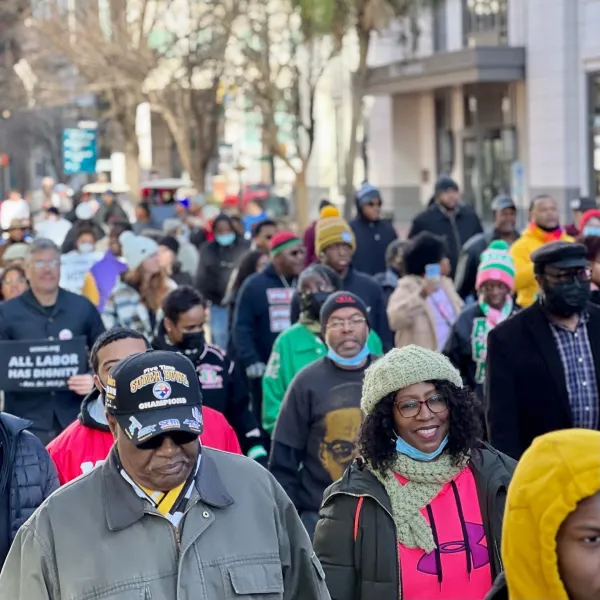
136, 248
402, 367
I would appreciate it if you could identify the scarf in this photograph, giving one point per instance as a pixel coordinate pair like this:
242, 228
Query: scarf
480, 330
546, 236
494, 316
425, 481
171, 504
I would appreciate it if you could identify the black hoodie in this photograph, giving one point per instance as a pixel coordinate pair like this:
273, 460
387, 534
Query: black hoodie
372, 240
223, 387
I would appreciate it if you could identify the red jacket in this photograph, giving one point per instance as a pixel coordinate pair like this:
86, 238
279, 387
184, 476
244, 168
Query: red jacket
84, 444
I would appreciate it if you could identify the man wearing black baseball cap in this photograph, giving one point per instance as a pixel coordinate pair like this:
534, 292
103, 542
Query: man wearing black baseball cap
315, 434
543, 364
163, 517
505, 220
578, 207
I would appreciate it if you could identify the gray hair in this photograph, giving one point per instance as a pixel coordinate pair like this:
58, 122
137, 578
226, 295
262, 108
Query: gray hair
39, 245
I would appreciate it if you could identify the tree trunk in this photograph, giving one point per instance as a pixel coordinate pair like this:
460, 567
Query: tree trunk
301, 201
358, 90
132, 166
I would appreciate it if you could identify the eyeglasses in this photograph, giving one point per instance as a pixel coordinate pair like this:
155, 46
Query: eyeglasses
567, 275
38, 265
411, 408
339, 324
14, 281
179, 438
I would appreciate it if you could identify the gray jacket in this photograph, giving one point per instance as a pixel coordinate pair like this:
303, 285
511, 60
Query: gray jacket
94, 538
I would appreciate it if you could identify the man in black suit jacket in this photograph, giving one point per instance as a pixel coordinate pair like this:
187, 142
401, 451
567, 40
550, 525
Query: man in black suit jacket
543, 364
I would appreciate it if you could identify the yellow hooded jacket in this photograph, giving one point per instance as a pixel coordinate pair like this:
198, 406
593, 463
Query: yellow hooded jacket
558, 471
531, 239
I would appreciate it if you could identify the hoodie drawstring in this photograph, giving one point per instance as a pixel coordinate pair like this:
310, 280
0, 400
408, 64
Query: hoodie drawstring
438, 555
463, 526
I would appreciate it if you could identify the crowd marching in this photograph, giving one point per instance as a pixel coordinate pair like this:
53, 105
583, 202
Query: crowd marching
219, 408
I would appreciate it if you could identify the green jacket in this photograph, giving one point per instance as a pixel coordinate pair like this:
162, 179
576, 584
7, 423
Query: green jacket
292, 351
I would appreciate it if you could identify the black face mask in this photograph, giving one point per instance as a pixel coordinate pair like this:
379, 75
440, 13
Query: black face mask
567, 299
193, 341
310, 304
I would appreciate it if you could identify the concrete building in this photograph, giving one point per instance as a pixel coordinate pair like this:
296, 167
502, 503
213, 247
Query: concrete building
494, 85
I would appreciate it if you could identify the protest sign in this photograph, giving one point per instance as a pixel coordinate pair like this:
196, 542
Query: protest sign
73, 267
34, 365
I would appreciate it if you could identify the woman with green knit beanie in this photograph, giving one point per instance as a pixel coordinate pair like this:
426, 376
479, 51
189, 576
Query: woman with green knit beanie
418, 515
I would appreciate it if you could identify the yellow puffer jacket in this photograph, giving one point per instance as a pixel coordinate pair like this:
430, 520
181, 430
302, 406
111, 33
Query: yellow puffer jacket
532, 238
557, 471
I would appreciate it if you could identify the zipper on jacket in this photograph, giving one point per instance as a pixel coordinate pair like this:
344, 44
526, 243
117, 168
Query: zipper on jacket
393, 523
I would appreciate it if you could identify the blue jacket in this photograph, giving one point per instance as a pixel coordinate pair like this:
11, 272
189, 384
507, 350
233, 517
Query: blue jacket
22, 318
262, 312
372, 240
28, 470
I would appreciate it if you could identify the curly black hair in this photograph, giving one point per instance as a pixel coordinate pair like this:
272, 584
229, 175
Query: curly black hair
377, 438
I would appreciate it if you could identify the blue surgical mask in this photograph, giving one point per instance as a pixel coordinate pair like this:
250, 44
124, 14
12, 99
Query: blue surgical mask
354, 361
85, 248
410, 451
590, 230
226, 239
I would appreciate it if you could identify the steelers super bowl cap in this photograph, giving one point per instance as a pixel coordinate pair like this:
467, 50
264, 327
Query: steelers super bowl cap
153, 393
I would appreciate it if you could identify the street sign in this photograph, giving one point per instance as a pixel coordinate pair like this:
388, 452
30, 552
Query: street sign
79, 151
517, 180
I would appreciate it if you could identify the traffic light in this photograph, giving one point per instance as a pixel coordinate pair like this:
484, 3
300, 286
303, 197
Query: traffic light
4, 161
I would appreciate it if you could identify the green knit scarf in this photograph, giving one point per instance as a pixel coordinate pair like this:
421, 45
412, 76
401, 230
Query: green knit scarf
425, 481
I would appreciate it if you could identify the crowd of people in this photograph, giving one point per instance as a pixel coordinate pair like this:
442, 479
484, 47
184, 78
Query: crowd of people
227, 409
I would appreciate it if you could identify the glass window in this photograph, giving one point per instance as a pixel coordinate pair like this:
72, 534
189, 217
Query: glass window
594, 119
485, 22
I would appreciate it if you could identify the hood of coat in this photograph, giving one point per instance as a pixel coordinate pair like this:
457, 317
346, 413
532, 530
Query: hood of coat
13, 425
89, 408
552, 477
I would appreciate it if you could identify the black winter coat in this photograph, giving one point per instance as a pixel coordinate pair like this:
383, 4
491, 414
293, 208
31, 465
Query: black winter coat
368, 567
23, 318
459, 346
215, 267
27, 474
455, 229
372, 240
525, 389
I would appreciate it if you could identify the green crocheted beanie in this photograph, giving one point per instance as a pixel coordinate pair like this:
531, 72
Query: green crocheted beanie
402, 367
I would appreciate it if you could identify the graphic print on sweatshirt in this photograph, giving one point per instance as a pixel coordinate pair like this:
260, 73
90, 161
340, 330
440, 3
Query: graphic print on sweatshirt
459, 568
279, 300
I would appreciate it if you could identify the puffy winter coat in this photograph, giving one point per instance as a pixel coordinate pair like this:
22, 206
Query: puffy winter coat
26, 471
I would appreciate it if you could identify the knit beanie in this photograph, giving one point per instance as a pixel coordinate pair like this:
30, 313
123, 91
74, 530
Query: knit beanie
339, 300
282, 241
366, 194
444, 184
136, 248
496, 265
331, 229
402, 367
170, 242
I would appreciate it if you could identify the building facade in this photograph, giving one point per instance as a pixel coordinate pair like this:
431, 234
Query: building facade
501, 94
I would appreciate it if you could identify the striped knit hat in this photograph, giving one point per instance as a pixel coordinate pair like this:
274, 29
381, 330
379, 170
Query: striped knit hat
496, 265
282, 241
332, 229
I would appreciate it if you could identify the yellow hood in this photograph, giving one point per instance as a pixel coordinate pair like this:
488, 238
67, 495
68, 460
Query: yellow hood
558, 471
